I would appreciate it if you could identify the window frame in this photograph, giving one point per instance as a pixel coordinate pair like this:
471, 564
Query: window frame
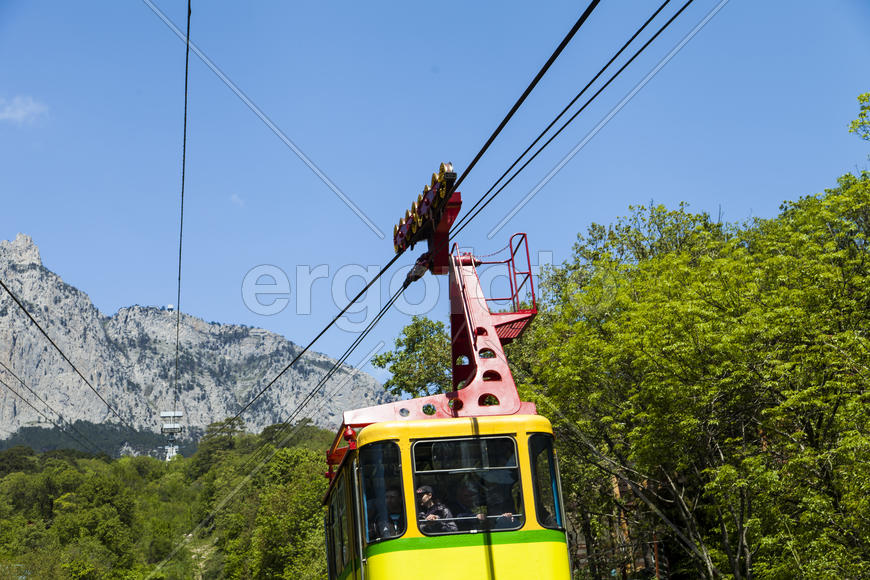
342, 532
512, 437
555, 478
363, 501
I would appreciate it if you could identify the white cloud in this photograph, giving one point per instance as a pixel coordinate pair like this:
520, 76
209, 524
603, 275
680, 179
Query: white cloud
21, 110
237, 200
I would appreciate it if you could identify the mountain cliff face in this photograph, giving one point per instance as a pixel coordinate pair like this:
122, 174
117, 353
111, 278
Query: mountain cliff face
129, 358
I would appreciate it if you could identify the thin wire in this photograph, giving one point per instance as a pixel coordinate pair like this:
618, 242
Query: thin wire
491, 254
528, 90
58, 427
181, 220
66, 358
44, 402
565, 110
574, 116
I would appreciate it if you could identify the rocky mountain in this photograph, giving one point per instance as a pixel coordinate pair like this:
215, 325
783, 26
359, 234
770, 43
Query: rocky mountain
129, 358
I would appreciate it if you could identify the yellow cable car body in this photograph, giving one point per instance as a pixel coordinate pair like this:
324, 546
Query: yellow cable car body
446, 454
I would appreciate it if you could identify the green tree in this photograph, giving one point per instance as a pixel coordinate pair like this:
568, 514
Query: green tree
19, 458
220, 438
716, 376
420, 364
861, 125
287, 537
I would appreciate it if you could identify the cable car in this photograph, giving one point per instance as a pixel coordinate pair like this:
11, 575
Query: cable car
171, 429
460, 485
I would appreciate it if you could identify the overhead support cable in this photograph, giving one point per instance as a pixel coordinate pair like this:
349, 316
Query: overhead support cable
316, 338
181, 217
337, 365
288, 423
461, 223
62, 354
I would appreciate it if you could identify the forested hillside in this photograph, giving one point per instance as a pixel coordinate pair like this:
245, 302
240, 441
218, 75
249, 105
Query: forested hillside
243, 506
114, 439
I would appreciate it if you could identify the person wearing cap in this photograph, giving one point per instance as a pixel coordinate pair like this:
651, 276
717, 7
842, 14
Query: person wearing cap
434, 517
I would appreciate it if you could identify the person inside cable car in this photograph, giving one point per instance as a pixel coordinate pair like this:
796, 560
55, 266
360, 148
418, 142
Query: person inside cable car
499, 502
391, 522
433, 516
467, 507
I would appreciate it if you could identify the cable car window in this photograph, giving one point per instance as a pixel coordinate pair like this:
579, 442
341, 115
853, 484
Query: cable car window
546, 481
467, 485
383, 501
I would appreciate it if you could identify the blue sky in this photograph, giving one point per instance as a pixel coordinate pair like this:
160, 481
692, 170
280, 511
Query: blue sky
751, 112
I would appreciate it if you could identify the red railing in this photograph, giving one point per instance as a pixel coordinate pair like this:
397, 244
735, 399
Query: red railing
509, 323
516, 278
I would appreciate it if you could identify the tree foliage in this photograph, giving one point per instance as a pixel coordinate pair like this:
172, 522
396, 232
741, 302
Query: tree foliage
861, 125
716, 377
420, 365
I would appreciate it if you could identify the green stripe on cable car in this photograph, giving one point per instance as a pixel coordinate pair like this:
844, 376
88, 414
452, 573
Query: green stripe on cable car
465, 540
